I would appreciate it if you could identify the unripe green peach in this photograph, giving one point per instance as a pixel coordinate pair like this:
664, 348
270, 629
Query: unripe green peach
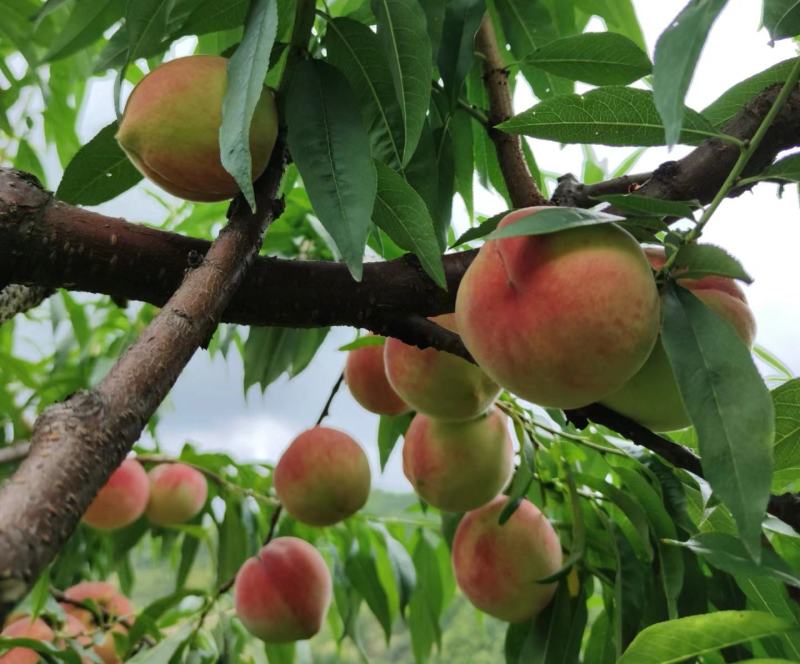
365, 375
497, 567
563, 319
437, 383
652, 397
177, 493
108, 599
170, 128
25, 628
458, 466
284, 593
323, 477
122, 500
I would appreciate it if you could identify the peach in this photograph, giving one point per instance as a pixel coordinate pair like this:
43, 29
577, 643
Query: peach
177, 493
437, 383
25, 628
122, 500
458, 466
562, 319
497, 567
170, 128
107, 598
365, 375
651, 397
323, 477
283, 594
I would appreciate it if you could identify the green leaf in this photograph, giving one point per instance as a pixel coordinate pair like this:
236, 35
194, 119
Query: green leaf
786, 400
391, 427
457, 52
271, 351
402, 568
650, 207
481, 230
787, 168
403, 215
607, 116
99, 171
363, 574
403, 34
85, 25
552, 220
781, 18
677, 51
695, 261
356, 51
619, 16
731, 101
599, 58
427, 602
146, 25
681, 639
771, 596
233, 547
364, 341
331, 149
728, 404
246, 71
27, 160
166, 649
280, 653
214, 15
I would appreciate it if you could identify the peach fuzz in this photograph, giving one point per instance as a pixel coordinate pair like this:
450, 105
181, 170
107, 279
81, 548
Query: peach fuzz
323, 477
170, 128
652, 397
437, 383
122, 500
497, 567
177, 493
107, 598
25, 628
458, 466
365, 375
283, 594
562, 319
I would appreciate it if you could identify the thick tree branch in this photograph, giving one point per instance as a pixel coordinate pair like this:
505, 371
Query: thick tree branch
521, 187
77, 444
17, 299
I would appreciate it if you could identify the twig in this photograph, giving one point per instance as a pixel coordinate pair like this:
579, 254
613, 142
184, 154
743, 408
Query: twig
327, 407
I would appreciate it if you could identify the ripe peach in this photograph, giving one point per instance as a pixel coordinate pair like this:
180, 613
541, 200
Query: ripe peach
122, 500
177, 493
25, 628
497, 567
365, 375
437, 383
458, 466
107, 598
651, 397
170, 128
323, 477
284, 593
563, 319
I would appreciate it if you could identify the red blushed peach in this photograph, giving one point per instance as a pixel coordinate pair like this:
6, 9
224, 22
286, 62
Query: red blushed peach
563, 319
122, 500
323, 477
108, 599
25, 628
177, 493
284, 593
652, 397
365, 375
497, 567
437, 383
458, 466
170, 128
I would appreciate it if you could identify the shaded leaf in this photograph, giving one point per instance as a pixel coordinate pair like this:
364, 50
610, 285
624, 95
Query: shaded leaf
552, 220
457, 52
782, 18
786, 401
650, 207
481, 230
695, 261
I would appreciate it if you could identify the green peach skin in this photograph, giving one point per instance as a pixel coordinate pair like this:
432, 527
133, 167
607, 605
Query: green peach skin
652, 397
365, 375
177, 493
437, 383
561, 320
323, 477
170, 128
283, 594
458, 466
497, 567
122, 499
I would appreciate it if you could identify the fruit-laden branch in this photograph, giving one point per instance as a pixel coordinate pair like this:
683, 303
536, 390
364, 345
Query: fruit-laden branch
78, 443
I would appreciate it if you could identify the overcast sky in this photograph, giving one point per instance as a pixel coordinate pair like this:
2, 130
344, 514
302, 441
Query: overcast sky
207, 405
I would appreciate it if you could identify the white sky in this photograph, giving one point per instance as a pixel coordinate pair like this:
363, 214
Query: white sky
207, 405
